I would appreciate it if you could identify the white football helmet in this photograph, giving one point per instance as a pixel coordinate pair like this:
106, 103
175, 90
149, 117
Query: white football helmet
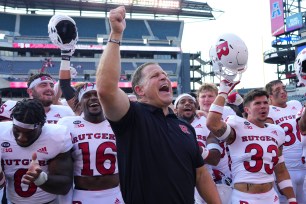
300, 67
229, 57
63, 32
73, 72
7, 109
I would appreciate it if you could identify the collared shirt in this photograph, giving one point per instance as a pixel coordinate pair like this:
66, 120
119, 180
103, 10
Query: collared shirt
157, 156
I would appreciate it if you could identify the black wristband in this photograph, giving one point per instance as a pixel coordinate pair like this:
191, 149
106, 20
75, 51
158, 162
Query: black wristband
115, 41
66, 57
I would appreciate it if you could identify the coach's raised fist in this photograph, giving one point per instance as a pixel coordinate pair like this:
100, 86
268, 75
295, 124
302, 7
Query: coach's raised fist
117, 20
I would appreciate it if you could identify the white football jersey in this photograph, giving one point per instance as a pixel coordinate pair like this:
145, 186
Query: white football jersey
202, 132
57, 112
54, 139
94, 147
254, 153
286, 118
227, 111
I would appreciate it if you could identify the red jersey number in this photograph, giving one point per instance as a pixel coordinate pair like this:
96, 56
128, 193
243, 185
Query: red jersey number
101, 158
289, 133
258, 158
17, 184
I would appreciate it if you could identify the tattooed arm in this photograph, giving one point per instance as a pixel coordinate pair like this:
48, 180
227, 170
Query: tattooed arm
215, 124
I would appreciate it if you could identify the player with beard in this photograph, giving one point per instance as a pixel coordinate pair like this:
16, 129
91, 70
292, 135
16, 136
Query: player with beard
36, 157
283, 113
185, 107
40, 86
94, 151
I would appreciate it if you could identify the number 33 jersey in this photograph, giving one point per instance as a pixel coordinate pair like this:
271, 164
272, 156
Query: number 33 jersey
94, 149
254, 152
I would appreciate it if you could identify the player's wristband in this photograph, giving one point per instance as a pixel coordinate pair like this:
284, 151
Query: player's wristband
292, 201
216, 108
42, 178
224, 95
205, 153
114, 41
214, 146
65, 65
225, 134
285, 183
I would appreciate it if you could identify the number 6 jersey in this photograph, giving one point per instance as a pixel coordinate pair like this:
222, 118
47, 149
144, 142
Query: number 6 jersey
254, 152
53, 140
94, 149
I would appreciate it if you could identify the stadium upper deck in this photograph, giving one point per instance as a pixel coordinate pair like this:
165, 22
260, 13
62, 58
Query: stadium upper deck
25, 46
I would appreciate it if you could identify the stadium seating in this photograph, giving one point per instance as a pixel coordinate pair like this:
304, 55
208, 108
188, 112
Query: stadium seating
135, 29
18, 65
89, 27
163, 29
32, 25
7, 22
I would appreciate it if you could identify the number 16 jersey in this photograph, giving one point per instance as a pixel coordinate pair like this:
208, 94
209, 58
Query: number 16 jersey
94, 149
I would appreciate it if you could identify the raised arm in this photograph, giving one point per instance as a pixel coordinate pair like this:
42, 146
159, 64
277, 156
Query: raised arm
65, 81
114, 101
214, 118
65, 36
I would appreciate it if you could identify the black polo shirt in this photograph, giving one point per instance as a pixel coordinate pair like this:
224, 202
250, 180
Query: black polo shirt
157, 156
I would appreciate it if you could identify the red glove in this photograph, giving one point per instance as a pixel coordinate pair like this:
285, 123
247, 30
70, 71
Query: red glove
235, 99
